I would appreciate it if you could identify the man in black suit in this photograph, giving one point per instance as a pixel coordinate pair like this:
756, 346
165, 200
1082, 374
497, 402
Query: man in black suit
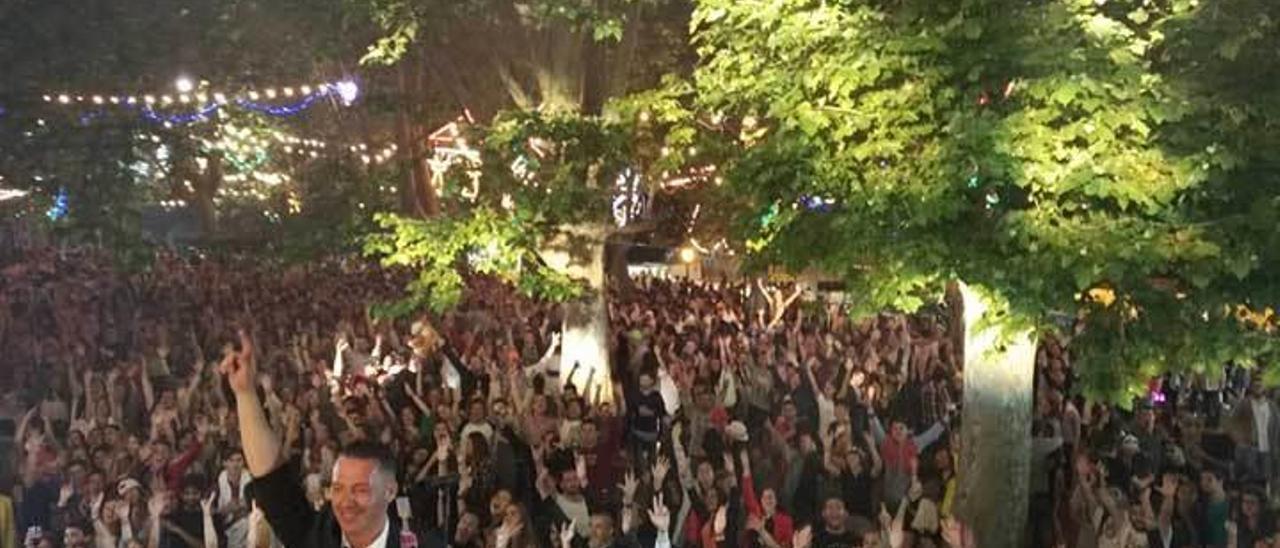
363, 486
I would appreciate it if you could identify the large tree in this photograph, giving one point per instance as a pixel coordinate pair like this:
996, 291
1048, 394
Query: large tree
1101, 160
556, 176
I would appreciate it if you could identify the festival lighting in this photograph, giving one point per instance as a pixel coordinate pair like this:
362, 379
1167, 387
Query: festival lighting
206, 104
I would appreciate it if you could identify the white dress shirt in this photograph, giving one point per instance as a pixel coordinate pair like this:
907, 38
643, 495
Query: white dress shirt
380, 542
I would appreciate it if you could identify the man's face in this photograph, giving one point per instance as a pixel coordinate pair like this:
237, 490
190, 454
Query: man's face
75, 538
1147, 418
95, 483
475, 412
1208, 482
498, 504
807, 445
234, 464
704, 399
601, 530
1250, 505
769, 501
834, 514
190, 498
590, 435
468, 528
570, 484
111, 436
77, 473
789, 411
573, 410
159, 454
942, 460
646, 382
706, 474
360, 495
899, 431
500, 410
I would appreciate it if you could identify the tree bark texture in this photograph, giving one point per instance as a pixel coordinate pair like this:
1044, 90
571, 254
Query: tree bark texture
579, 251
994, 472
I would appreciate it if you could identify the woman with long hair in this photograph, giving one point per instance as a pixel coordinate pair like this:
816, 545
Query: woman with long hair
515, 530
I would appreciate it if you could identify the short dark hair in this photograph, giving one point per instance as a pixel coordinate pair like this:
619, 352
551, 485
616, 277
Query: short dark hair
1216, 472
368, 450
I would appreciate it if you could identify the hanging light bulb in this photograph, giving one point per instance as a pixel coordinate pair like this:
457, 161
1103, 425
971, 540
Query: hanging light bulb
348, 91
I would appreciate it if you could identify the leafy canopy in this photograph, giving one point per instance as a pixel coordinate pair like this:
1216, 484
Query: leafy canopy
1053, 151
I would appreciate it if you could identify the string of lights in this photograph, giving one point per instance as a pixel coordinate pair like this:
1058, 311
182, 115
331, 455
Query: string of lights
209, 104
345, 90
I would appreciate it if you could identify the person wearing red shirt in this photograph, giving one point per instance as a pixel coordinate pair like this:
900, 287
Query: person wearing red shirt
767, 525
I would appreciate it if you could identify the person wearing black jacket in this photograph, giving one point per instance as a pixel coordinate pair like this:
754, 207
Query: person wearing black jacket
364, 477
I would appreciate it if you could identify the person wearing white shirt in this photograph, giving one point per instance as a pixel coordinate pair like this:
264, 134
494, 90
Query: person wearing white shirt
1256, 425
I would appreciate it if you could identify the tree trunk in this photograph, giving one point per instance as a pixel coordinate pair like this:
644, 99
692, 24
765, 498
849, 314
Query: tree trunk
206, 189
417, 194
619, 278
409, 153
994, 473
429, 201
954, 299
580, 252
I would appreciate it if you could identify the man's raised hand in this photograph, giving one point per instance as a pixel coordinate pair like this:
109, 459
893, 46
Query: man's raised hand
659, 515
239, 367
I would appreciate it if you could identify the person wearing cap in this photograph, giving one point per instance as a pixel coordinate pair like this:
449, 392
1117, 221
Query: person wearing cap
363, 478
131, 497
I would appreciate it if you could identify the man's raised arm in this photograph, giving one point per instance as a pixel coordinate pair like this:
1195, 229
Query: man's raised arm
261, 446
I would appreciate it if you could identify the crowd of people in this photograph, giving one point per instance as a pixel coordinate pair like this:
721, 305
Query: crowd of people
205, 403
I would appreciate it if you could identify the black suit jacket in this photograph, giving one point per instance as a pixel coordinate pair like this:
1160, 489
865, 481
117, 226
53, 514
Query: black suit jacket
285, 504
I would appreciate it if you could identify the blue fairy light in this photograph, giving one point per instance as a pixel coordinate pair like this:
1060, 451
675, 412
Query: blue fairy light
817, 203
199, 115
59, 208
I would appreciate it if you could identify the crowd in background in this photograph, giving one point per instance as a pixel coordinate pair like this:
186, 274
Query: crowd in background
733, 416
